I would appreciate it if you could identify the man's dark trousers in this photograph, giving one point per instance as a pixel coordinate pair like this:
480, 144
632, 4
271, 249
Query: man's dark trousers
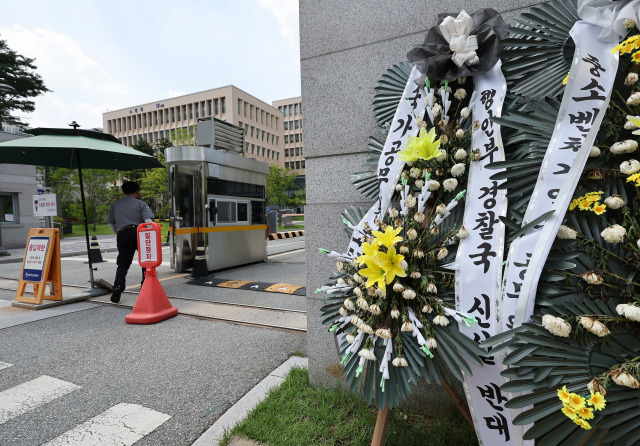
127, 242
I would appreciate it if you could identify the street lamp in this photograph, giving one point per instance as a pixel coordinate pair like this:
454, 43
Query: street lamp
5, 89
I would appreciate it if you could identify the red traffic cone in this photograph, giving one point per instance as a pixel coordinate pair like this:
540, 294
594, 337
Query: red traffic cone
153, 304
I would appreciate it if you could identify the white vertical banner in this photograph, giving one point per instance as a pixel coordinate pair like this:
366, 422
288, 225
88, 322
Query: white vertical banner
390, 166
479, 260
583, 106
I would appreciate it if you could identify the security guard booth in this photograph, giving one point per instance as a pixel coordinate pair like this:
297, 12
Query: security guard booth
217, 196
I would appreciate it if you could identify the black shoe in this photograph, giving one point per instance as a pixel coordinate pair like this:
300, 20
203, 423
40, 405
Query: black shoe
115, 297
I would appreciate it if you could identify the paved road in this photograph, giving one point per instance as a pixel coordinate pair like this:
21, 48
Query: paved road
81, 373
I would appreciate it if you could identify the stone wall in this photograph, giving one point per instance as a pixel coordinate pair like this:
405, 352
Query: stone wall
345, 46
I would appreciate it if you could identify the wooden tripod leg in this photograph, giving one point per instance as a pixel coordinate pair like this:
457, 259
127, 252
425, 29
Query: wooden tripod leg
382, 424
460, 403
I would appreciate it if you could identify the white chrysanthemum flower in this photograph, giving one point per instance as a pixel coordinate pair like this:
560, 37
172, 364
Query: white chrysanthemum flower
412, 234
436, 110
350, 282
350, 338
435, 230
638, 243
426, 308
450, 184
367, 353
556, 325
463, 232
464, 113
431, 343
358, 278
395, 314
394, 213
441, 209
348, 304
362, 303
398, 288
409, 294
357, 292
375, 309
631, 312
407, 326
442, 253
365, 328
384, 333
634, 99
614, 201
630, 167
432, 288
404, 249
459, 133
626, 146
614, 234
419, 253
403, 264
443, 154
381, 293
441, 320
594, 152
566, 233
630, 126
460, 154
592, 278
399, 187
631, 79
418, 217
458, 169
343, 311
416, 274
341, 281
629, 23
355, 320
624, 378
340, 266
460, 94
400, 362
594, 326
411, 201
419, 184
434, 185
415, 172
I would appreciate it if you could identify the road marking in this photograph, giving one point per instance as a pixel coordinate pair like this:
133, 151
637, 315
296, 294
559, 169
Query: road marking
234, 283
31, 394
121, 425
4, 365
174, 277
288, 252
283, 288
291, 243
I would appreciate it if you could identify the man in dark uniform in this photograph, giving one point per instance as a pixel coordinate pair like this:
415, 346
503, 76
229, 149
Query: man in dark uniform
124, 217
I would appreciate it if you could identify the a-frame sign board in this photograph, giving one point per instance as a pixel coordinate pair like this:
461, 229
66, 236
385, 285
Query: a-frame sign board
41, 265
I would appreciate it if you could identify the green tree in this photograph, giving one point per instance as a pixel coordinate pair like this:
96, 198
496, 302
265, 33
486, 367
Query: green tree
163, 144
299, 199
184, 137
278, 182
18, 72
156, 189
144, 146
100, 191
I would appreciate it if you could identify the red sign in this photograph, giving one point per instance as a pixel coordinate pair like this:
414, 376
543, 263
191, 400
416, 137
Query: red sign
149, 245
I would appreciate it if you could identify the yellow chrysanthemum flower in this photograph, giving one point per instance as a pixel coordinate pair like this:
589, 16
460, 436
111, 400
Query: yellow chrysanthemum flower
573, 204
569, 412
374, 274
390, 263
636, 57
592, 197
583, 424
627, 46
634, 177
597, 401
636, 121
576, 402
594, 194
566, 79
389, 237
369, 250
564, 394
584, 205
585, 413
424, 146
599, 208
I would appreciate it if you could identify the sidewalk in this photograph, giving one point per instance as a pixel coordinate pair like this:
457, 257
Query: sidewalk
70, 246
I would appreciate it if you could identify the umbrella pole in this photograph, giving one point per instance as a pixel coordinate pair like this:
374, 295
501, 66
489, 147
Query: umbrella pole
86, 224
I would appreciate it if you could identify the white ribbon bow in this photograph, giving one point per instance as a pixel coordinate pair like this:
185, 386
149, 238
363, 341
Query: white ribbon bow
456, 32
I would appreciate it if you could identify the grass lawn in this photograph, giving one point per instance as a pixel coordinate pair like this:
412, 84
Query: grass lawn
104, 229
298, 218
290, 228
297, 414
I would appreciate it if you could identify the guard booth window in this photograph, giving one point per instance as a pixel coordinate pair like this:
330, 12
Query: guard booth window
232, 211
185, 201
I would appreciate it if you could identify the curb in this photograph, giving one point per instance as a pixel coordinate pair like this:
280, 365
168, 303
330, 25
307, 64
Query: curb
247, 403
283, 235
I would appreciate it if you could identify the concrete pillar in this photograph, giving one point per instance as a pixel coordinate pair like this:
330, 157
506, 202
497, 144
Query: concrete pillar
345, 47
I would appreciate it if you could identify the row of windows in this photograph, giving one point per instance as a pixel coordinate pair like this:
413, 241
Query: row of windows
290, 138
291, 164
265, 152
178, 113
291, 109
298, 151
151, 137
274, 139
257, 114
289, 125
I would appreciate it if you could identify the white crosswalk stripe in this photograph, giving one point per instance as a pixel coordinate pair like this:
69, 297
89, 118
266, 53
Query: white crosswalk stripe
4, 365
31, 394
121, 425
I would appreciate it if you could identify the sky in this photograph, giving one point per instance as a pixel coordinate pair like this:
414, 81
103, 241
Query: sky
97, 55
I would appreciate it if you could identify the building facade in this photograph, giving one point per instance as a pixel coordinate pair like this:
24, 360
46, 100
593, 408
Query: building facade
262, 123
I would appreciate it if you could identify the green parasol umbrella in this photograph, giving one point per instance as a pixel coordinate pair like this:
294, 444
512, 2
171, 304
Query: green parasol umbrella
75, 149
